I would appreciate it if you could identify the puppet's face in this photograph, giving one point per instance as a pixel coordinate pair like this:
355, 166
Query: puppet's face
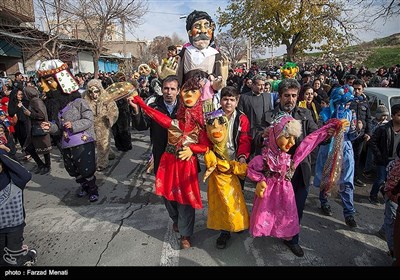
49, 83
217, 129
201, 33
94, 93
144, 70
285, 142
289, 70
135, 75
190, 97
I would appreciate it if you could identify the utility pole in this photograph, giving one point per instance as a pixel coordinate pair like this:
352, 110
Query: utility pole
272, 52
248, 53
127, 65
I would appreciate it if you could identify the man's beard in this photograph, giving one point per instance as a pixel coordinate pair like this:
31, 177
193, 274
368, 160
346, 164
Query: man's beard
288, 107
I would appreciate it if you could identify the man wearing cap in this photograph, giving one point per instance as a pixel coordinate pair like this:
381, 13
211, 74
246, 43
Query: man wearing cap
306, 78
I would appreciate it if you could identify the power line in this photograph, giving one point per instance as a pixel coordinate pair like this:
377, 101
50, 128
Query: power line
164, 13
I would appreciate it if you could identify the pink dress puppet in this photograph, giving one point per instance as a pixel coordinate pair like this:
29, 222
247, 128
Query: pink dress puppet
274, 210
177, 179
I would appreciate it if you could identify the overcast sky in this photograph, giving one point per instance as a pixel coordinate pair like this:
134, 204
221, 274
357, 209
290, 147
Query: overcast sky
163, 19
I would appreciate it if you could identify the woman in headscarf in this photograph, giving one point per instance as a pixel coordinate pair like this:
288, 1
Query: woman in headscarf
37, 144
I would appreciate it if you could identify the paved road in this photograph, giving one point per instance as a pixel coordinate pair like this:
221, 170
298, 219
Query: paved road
129, 225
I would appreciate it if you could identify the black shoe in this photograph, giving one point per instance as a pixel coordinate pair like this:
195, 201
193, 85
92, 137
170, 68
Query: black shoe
359, 183
93, 197
373, 199
45, 170
368, 175
222, 239
81, 192
28, 259
326, 210
295, 248
351, 222
38, 169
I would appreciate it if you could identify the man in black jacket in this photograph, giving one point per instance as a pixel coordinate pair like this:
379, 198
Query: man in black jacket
361, 108
167, 104
183, 216
383, 144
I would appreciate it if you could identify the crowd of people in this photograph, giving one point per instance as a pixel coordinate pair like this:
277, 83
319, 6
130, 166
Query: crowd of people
275, 132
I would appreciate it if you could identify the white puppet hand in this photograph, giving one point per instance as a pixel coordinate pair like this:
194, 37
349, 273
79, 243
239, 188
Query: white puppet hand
168, 67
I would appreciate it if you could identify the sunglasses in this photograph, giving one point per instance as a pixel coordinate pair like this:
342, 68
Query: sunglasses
221, 121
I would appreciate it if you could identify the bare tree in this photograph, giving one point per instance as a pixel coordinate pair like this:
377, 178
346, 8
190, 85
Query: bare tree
52, 19
145, 56
98, 15
158, 47
376, 9
235, 48
176, 40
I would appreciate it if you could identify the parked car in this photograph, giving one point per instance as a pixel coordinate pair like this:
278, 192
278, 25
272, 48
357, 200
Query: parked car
382, 96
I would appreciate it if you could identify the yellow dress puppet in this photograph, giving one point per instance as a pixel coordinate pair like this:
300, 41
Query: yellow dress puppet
227, 210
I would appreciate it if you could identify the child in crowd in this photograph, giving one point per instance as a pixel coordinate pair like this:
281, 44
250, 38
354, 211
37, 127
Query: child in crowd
13, 179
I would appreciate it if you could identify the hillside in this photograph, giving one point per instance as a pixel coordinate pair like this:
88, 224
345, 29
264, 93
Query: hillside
374, 54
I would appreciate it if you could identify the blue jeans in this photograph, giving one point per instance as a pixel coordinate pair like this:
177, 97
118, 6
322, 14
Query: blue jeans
346, 187
388, 223
380, 179
346, 192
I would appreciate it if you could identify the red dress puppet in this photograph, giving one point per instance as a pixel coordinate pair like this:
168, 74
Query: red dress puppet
177, 174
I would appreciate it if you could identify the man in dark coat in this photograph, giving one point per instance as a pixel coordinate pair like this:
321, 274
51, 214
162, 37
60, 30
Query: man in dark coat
168, 104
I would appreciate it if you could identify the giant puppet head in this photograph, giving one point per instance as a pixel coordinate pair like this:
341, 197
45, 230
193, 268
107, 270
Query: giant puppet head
200, 28
339, 100
289, 70
55, 74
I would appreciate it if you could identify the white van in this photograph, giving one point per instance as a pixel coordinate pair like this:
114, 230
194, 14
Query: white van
382, 96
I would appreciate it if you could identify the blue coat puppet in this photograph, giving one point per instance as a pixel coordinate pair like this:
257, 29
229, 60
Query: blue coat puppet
335, 161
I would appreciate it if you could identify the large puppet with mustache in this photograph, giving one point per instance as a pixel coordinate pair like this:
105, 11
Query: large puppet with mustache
274, 209
201, 54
